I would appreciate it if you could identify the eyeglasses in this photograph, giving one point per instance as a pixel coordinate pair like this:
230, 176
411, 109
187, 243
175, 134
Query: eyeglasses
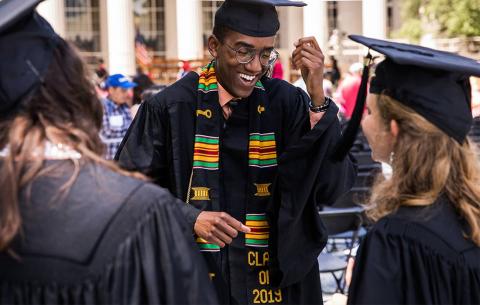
244, 55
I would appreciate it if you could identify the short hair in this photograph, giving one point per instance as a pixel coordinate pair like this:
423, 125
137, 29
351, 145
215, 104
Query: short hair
221, 31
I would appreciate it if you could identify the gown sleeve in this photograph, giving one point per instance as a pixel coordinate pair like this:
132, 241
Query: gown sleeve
159, 263
308, 176
143, 146
377, 265
144, 149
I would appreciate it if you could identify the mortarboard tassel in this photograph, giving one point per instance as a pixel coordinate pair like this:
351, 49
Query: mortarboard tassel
351, 131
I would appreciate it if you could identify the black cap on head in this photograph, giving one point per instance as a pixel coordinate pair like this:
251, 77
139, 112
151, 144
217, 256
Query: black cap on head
433, 83
26, 48
257, 18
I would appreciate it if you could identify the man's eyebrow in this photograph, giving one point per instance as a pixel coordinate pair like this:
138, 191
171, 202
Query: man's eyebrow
245, 44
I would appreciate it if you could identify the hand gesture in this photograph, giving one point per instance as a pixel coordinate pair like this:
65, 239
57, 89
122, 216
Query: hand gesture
308, 57
218, 227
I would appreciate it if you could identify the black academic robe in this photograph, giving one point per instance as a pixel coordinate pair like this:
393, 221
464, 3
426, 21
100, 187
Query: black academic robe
418, 255
160, 143
111, 239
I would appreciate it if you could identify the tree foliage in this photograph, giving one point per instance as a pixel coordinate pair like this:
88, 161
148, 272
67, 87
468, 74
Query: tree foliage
452, 18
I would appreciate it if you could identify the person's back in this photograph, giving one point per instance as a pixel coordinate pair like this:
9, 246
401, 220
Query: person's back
425, 259
75, 228
112, 239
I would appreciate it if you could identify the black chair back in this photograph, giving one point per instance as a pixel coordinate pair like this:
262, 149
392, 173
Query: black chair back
339, 220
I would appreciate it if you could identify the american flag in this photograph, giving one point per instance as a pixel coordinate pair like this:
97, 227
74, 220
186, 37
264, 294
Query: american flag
141, 52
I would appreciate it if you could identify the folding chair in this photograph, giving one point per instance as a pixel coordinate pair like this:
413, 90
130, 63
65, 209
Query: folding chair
353, 198
338, 221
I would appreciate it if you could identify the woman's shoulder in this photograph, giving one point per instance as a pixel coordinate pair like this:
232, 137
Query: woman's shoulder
434, 229
108, 228
85, 227
118, 186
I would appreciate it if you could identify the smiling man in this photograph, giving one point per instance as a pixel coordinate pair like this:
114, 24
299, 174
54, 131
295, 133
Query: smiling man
251, 156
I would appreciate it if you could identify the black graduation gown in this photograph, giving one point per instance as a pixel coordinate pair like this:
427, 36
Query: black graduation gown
160, 143
417, 256
111, 240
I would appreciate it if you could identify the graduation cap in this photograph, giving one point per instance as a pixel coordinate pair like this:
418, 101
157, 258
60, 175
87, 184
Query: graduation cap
27, 42
433, 83
257, 18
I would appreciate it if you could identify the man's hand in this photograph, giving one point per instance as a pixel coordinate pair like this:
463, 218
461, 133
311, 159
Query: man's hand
308, 57
218, 227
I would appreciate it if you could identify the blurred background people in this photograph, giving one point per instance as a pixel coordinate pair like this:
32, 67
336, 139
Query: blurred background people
184, 68
327, 84
101, 70
347, 91
75, 228
117, 116
277, 71
334, 71
143, 82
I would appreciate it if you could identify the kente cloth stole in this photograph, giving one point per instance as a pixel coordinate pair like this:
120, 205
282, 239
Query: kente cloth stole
204, 193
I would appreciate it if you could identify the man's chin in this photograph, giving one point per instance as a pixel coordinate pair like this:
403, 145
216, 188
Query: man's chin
244, 93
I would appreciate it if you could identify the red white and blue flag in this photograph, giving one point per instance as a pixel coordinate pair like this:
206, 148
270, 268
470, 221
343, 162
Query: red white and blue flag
141, 52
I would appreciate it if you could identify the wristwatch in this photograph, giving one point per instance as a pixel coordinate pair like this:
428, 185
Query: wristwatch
321, 108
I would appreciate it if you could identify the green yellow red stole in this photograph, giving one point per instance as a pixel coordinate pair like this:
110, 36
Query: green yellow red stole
204, 190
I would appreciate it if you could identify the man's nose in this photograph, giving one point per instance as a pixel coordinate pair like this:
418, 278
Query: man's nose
255, 66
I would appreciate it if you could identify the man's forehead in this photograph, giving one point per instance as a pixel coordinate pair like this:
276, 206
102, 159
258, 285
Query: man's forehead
239, 39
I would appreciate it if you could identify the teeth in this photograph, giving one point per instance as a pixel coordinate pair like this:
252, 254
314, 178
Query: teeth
247, 77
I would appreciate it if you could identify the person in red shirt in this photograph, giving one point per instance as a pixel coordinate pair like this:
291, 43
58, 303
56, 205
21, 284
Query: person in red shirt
348, 89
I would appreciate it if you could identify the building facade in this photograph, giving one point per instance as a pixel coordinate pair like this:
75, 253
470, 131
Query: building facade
128, 33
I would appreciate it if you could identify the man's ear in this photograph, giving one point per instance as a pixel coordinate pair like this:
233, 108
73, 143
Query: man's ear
213, 45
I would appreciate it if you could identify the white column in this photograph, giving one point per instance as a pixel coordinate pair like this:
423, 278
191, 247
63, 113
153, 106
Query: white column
315, 21
171, 37
104, 31
189, 29
374, 18
54, 12
121, 37
349, 17
291, 27
183, 25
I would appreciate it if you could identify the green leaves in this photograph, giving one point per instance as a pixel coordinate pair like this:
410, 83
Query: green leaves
445, 18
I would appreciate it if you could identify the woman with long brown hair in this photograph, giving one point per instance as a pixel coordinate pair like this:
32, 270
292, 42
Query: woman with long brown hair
75, 228
424, 247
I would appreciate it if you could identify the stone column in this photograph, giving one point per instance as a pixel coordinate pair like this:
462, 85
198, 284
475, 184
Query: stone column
183, 25
374, 18
54, 12
315, 21
121, 37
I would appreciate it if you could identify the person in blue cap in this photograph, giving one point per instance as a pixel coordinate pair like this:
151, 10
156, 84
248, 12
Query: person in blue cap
251, 156
425, 245
75, 228
117, 116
